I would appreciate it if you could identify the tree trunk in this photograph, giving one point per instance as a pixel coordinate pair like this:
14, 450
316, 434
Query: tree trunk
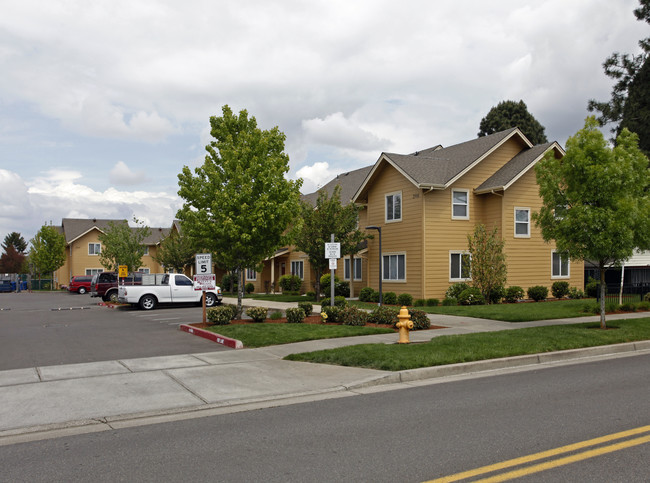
603, 292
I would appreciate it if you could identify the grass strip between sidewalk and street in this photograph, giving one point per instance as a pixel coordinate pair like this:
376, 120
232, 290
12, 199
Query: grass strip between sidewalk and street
265, 334
452, 349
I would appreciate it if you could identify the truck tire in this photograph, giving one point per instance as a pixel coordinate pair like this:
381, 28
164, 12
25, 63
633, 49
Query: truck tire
148, 302
111, 296
210, 299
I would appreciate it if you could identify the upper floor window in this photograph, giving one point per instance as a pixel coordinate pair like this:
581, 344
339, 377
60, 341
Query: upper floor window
251, 274
297, 267
394, 267
146, 250
460, 204
394, 206
357, 269
459, 266
560, 266
522, 222
94, 248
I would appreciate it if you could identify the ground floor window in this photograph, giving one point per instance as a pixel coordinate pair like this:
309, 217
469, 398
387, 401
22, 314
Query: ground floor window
297, 267
93, 271
251, 274
357, 269
459, 266
144, 270
394, 267
560, 266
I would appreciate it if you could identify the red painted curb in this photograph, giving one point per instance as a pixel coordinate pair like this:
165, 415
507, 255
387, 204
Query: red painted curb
206, 334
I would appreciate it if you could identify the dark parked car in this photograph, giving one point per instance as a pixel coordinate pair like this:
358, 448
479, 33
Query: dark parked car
104, 284
80, 284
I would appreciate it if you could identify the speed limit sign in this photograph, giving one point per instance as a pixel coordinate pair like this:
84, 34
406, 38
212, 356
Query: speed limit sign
203, 263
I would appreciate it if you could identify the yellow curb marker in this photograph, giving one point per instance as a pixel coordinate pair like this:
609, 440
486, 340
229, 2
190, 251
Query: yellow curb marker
550, 453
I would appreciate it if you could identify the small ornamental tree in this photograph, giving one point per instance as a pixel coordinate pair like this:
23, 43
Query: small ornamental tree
596, 200
176, 251
123, 245
488, 261
48, 250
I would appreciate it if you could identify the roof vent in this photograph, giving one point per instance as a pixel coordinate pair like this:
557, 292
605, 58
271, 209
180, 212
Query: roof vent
94, 220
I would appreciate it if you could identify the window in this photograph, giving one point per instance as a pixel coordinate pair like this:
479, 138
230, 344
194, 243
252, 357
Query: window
459, 266
251, 274
394, 267
460, 204
144, 270
357, 269
297, 268
394, 207
94, 248
522, 222
93, 271
560, 266
146, 250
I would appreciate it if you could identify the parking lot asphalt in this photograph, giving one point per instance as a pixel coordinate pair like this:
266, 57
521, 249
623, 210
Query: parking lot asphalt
47, 329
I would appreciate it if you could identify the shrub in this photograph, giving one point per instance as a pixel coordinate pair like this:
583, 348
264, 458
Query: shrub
374, 297
258, 314
338, 301
560, 288
448, 301
384, 315
496, 294
611, 306
646, 297
221, 315
390, 298
514, 294
290, 283
419, 303
295, 315
419, 319
628, 307
575, 293
366, 294
311, 295
353, 316
538, 293
645, 305
333, 314
471, 296
595, 307
227, 279
455, 290
307, 307
433, 302
405, 299
592, 287
341, 288
275, 315
249, 287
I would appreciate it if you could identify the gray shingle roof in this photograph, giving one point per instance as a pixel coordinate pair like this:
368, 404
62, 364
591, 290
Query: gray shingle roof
73, 228
349, 183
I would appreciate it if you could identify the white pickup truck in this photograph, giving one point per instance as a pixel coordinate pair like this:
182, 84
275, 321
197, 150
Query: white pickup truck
162, 288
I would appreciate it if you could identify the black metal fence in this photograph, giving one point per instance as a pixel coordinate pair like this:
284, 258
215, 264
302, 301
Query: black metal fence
631, 292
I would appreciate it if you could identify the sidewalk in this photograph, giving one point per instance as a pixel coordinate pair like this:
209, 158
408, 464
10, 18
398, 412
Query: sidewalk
51, 401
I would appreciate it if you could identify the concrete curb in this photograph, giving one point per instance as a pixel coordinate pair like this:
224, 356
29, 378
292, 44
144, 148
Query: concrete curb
218, 338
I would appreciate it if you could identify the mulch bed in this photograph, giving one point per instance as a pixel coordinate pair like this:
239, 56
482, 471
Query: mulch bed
312, 319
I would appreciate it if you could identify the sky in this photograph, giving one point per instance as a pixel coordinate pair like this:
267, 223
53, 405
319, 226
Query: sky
103, 103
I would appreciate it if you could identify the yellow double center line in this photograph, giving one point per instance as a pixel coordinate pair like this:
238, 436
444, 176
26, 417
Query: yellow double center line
528, 470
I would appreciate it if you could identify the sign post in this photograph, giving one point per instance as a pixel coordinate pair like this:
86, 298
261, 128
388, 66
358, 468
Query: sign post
203, 267
333, 253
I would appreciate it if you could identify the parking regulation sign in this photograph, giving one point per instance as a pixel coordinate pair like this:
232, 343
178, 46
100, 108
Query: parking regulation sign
205, 282
203, 263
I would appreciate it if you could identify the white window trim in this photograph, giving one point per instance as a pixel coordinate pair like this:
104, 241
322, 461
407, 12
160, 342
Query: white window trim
401, 207
568, 267
302, 263
514, 214
461, 253
466, 191
94, 245
93, 271
146, 250
358, 276
248, 272
145, 270
393, 280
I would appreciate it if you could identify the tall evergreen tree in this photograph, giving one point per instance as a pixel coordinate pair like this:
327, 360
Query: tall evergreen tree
16, 240
509, 114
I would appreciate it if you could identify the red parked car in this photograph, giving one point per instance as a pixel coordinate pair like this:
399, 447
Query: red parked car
80, 284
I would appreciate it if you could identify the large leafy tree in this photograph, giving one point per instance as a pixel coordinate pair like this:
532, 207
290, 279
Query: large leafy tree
239, 204
596, 203
319, 222
629, 104
488, 261
176, 251
123, 245
509, 114
48, 250
16, 240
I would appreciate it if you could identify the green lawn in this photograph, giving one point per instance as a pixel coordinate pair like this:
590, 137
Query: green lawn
453, 349
273, 297
264, 334
520, 312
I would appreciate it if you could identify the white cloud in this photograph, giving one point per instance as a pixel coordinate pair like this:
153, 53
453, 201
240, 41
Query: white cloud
336, 130
315, 176
122, 175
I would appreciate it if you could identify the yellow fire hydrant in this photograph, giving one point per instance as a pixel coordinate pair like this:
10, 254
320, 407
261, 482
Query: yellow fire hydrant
323, 316
404, 325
